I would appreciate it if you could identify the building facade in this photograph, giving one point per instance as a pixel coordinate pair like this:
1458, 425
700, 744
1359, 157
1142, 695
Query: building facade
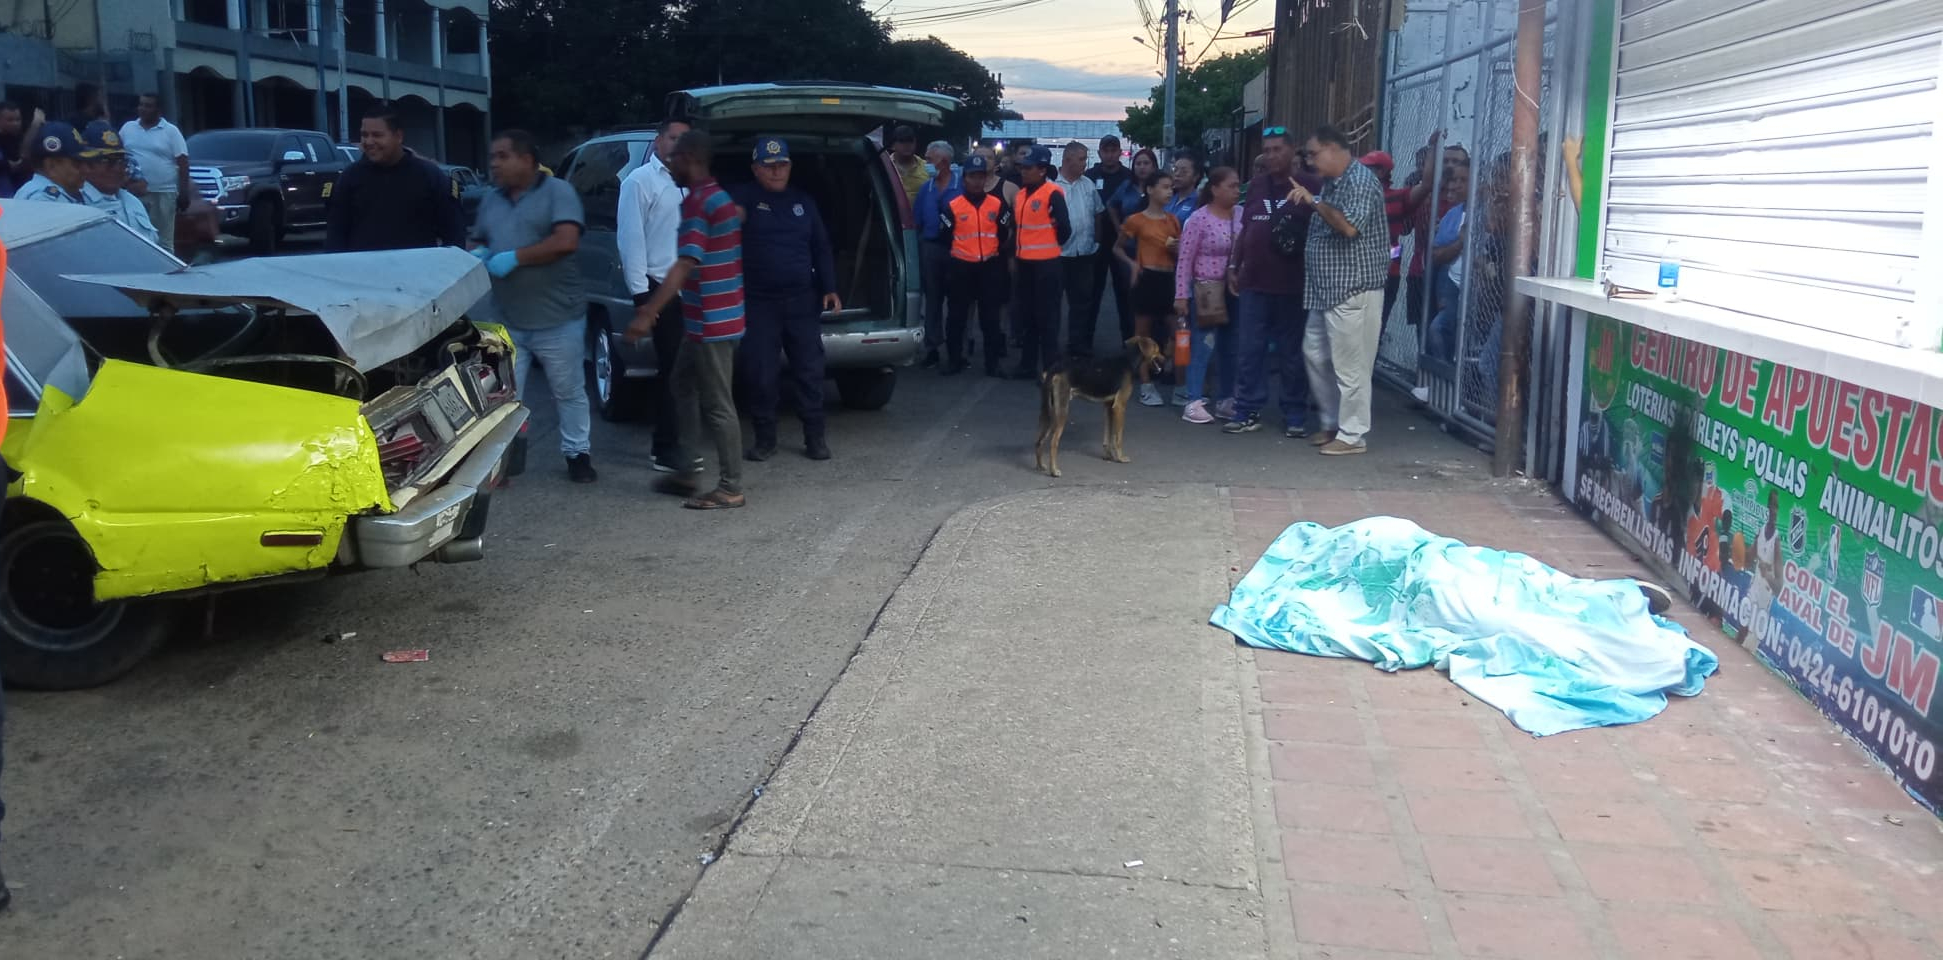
310, 64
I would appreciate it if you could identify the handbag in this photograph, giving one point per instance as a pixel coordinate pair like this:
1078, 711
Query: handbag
1211, 296
1210, 303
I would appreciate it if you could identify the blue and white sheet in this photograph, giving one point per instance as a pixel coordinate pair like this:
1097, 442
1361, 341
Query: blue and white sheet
1554, 652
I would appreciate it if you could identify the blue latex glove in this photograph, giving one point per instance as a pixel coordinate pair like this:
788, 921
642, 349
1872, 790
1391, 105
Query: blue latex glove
482, 253
502, 263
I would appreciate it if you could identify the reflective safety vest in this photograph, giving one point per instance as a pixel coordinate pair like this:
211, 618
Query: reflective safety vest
1032, 212
974, 229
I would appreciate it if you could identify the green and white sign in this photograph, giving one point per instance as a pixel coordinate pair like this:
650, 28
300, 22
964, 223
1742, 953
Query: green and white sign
1799, 510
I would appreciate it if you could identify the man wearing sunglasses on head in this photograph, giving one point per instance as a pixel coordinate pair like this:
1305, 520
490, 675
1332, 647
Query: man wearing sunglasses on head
1269, 285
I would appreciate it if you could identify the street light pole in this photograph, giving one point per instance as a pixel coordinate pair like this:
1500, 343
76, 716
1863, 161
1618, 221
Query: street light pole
1173, 18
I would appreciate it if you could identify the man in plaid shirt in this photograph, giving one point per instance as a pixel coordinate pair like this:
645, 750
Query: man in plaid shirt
1348, 261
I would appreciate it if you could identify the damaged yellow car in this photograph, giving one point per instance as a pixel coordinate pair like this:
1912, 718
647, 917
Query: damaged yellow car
178, 430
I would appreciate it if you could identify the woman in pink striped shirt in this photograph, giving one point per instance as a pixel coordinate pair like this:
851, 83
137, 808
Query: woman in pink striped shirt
1207, 241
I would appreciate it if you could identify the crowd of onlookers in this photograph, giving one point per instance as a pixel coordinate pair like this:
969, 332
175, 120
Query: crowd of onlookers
1283, 278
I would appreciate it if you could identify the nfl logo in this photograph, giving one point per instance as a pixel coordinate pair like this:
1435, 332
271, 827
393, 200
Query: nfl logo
1797, 530
1872, 570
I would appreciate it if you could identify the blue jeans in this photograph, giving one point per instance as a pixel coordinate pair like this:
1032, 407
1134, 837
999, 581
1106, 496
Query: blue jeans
1209, 345
1276, 318
561, 353
1441, 341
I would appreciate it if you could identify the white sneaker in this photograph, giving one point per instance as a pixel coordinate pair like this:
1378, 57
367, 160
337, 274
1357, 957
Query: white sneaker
1150, 396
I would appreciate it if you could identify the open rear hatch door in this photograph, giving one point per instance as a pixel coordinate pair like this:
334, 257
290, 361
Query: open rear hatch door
819, 107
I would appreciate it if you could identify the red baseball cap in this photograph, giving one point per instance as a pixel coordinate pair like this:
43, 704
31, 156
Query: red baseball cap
1377, 158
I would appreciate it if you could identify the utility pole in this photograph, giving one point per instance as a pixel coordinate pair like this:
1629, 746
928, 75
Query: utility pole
1507, 452
1173, 18
343, 79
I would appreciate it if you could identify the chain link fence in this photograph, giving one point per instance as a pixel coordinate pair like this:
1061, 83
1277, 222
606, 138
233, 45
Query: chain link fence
1451, 73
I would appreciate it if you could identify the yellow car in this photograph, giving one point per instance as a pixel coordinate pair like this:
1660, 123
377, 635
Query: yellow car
178, 430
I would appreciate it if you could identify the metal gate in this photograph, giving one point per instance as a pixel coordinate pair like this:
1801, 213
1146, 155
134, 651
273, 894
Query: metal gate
1450, 70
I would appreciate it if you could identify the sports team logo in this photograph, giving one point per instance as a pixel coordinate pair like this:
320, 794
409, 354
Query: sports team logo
772, 148
51, 144
1797, 531
1924, 613
1872, 571
111, 138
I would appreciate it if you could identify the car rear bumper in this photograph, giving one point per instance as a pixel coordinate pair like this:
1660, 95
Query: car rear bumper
445, 524
886, 347
843, 349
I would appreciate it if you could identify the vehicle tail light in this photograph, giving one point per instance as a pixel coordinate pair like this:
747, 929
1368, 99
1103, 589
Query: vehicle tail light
412, 431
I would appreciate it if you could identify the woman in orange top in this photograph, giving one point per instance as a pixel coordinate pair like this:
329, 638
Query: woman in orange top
1156, 235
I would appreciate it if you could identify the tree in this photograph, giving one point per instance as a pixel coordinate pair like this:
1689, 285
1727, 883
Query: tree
562, 67
1206, 97
934, 65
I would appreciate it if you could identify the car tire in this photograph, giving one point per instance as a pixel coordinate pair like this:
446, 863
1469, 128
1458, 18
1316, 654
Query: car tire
617, 397
866, 389
53, 636
266, 230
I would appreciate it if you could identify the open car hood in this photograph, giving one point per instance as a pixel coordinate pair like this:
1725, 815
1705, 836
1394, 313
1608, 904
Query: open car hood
821, 107
379, 306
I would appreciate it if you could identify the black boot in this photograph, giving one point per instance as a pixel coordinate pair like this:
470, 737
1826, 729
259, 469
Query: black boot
815, 448
763, 449
580, 468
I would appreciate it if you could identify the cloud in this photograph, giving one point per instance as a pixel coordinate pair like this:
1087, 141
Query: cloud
1061, 105
1041, 87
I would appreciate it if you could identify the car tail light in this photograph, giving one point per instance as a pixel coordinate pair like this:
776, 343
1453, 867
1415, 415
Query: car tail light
413, 429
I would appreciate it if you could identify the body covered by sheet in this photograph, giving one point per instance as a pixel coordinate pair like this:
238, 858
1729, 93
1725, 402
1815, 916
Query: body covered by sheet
1554, 652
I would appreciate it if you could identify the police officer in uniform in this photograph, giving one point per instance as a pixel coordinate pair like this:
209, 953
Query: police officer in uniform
789, 277
980, 227
105, 165
59, 177
1039, 211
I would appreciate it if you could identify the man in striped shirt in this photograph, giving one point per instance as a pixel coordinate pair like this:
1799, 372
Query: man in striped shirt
708, 272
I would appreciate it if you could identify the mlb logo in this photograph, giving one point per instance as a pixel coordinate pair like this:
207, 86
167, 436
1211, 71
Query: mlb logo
1872, 571
1923, 613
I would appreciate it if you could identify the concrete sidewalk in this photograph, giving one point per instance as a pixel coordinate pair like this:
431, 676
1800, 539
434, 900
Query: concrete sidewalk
1412, 821
1038, 752
1041, 703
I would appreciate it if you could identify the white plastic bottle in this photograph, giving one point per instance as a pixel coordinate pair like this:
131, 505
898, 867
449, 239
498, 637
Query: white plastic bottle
1670, 271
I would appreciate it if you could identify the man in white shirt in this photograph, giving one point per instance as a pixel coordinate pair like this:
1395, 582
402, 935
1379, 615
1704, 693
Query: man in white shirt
647, 224
1083, 207
158, 148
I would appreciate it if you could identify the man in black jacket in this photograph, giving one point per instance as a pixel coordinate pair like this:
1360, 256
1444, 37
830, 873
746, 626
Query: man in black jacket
393, 199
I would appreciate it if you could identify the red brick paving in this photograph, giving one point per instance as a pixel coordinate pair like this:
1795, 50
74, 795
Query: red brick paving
1413, 821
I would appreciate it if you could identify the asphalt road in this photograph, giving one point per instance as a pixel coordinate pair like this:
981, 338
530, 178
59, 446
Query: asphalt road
604, 692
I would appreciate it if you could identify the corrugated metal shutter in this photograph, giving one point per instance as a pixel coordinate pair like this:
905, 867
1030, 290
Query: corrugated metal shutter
1786, 144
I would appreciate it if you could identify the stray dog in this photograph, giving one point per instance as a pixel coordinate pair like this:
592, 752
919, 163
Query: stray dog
1107, 380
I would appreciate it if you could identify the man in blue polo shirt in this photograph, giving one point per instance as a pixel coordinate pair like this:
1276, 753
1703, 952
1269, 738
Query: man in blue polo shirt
526, 233
934, 249
790, 279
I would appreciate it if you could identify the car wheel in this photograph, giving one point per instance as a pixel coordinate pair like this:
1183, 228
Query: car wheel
53, 635
265, 230
866, 389
618, 397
